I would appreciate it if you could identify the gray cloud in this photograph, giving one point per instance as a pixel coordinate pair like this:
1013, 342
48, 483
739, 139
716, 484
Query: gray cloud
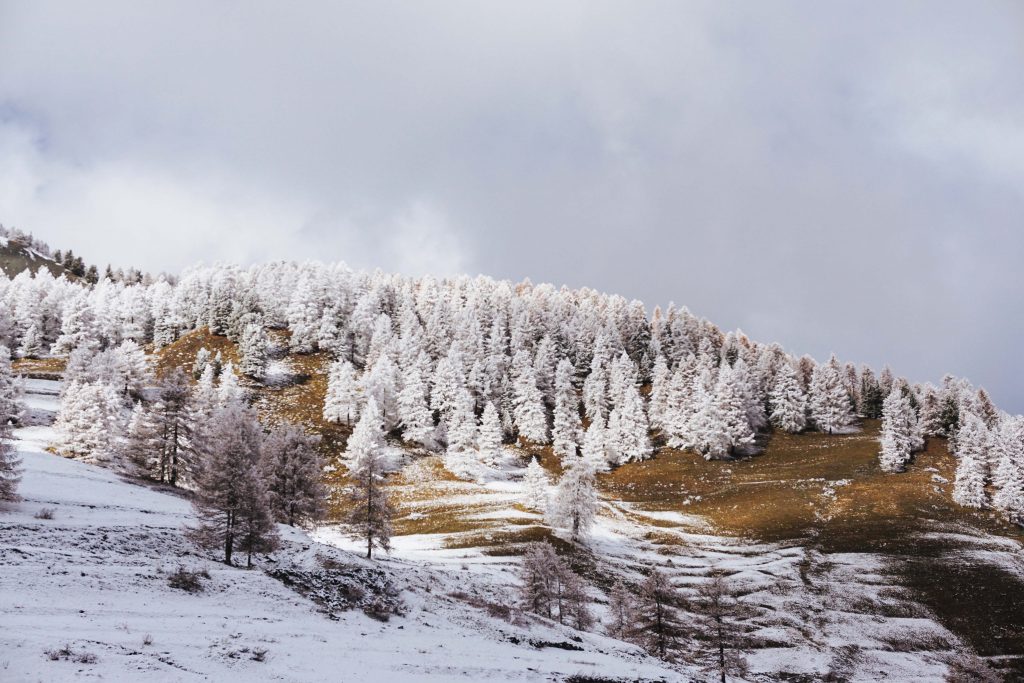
834, 176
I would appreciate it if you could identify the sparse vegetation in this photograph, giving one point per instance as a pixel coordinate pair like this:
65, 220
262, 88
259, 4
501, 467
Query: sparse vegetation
188, 580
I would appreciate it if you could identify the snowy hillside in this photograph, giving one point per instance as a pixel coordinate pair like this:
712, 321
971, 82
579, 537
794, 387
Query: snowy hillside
94, 579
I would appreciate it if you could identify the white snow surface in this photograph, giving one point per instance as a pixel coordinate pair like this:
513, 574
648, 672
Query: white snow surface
94, 578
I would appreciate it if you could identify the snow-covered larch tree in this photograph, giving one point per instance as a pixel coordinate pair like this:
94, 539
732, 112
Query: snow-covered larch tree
10, 464
10, 390
341, 403
829, 402
575, 505
293, 470
535, 487
567, 429
370, 516
231, 496
529, 413
898, 423
413, 411
971, 472
489, 438
789, 405
253, 350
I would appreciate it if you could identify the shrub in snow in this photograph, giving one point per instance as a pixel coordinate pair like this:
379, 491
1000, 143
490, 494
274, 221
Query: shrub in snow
188, 580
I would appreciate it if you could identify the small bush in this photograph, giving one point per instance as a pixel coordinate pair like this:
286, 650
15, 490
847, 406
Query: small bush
147, 639
45, 513
188, 580
259, 654
68, 655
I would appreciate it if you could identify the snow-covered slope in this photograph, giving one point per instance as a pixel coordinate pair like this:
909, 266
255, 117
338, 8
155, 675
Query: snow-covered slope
94, 579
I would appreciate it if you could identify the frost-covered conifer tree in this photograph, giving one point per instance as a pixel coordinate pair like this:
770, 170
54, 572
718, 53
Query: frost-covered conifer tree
971, 472
89, 421
31, 342
203, 359
231, 496
530, 418
10, 464
899, 423
371, 512
10, 390
657, 411
595, 390
567, 428
461, 457
173, 414
627, 436
414, 414
731, 399
489, 438
789, 405
575, 505
341, 403
380, 382
829, 403
659, 625
535, 485
293, 470
228, 389
253, 349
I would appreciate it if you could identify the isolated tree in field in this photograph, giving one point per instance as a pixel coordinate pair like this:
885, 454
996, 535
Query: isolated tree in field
370, 516
829, 403
253, 349
658, 623
535, 486
231, 497
972, 471
575, 506
293, 470
717, 613
567, 429
489, 437
341, 404
789, 405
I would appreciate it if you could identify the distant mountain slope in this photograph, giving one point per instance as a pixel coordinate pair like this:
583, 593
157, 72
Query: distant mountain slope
16, 256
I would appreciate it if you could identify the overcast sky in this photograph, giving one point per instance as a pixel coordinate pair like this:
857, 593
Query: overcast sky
842, 177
